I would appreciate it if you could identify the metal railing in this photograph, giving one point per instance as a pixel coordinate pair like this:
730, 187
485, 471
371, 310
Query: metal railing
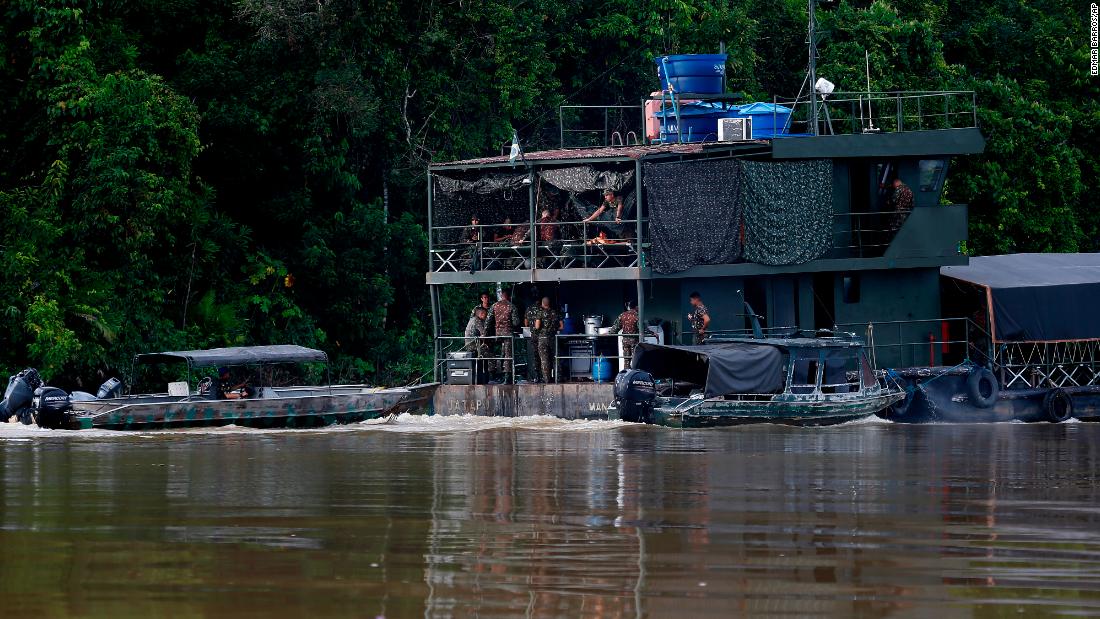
864, 235
927, 342
614, 131
883, 111
557, 245
491, 364
1048, 364
596, 354
484, 365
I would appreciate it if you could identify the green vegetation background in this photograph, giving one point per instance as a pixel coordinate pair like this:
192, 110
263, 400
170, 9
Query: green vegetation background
180, 174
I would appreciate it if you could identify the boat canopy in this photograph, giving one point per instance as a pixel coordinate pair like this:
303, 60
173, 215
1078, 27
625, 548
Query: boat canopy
721, 368
1037, 297
241, 355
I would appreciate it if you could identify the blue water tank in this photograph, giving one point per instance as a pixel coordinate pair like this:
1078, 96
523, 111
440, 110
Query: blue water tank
693, 73
768, 119
601, 370
698, 122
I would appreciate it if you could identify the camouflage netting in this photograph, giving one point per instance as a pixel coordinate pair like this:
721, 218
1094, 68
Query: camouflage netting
492, 197
788, 210
571, 193
694, 213
724, 211
576, 192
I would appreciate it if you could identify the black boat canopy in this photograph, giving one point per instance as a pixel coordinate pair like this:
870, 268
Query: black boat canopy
722, 368
1037, 297
243, 355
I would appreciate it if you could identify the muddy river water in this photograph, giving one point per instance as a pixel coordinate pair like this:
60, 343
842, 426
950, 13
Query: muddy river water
536, 517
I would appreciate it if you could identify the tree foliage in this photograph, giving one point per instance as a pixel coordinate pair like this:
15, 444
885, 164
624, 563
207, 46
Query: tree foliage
185, 174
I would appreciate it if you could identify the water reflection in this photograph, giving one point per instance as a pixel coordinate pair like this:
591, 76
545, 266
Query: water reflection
551, 519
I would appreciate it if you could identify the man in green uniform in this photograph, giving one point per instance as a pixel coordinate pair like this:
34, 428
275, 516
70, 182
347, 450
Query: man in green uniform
627, 323
547, 325
504, 317
529, 319
699, 317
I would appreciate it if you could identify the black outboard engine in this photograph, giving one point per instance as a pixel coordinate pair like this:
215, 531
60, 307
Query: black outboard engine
635, 393
111, 388
50, 407
19, 396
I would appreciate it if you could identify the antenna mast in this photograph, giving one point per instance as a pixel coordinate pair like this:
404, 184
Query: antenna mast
813, 63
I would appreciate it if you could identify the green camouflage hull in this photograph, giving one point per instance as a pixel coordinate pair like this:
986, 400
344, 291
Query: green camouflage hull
314, 407
681, 413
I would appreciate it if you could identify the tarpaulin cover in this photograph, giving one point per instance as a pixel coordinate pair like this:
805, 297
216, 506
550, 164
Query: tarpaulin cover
788, 207
723, 368
1038, 297
694, 213
244, 355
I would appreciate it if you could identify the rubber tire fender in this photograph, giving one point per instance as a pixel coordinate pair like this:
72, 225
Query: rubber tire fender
978, 378
1057, 405
900, 410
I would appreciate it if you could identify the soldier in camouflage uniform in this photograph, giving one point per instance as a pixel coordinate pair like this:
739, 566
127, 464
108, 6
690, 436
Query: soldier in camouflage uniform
699, 317
627, 323
476, 330
547, 324
504, 317
901, 202
529, 319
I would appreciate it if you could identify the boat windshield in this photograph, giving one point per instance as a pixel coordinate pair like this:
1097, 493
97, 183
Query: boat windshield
830, 370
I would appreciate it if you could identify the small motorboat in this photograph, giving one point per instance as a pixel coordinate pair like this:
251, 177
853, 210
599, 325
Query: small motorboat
813, 379
183, 406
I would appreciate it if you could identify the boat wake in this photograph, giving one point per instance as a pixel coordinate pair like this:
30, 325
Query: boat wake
403, 423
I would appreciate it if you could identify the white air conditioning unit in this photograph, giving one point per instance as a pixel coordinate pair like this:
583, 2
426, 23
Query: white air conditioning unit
734, 129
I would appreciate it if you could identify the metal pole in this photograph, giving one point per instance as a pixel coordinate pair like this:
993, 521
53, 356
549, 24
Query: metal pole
605, 127
813, 63
433, 293
561, 127
534, 232
638, 202
642, 330
431, 192
900, 128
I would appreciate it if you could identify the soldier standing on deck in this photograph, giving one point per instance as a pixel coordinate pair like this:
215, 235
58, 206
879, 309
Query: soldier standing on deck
529, 319
547, 324
699, 317
627, 323
504, 317
474, 336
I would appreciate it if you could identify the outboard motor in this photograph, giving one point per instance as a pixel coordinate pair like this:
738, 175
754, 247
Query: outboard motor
50, 407
111, 388
635, 393
19, 396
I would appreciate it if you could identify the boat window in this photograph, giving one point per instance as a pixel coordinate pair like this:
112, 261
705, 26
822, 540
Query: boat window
931, 174
803, 375
841, 375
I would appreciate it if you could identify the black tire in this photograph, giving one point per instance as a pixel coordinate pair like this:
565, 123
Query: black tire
1057, 405
900, 410
982, 388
